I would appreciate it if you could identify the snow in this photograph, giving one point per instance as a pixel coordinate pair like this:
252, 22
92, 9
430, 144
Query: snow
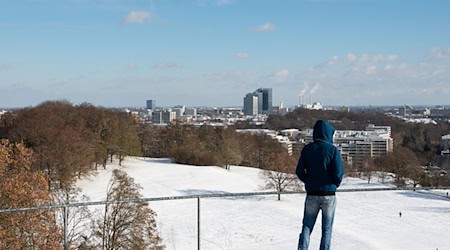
364, 220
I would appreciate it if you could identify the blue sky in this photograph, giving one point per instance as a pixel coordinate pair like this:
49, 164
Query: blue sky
212, 52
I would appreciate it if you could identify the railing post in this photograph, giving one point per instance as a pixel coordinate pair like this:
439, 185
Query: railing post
198, 222
65, 227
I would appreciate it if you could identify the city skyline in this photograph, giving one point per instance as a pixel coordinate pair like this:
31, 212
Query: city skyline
212, 52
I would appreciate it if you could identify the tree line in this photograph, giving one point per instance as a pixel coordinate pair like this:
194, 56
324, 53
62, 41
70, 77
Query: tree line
214, 146
69, 141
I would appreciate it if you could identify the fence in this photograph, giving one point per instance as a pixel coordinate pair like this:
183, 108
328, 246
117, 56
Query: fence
65, 207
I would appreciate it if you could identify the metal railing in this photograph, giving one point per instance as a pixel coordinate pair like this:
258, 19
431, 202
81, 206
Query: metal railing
65, 207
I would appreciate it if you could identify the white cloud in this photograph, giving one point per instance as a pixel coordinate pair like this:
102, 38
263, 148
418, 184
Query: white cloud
364, 63
392, 58
333, 60
280, 75
351, 57
383, 58
438, 53
364, 58
242, 55
381, 78
167, 65
265, 27
137, 17
370, 70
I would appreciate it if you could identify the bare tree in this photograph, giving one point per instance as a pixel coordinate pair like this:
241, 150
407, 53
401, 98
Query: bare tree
281, 177
403, 163
368, 167
126, 225
78, 218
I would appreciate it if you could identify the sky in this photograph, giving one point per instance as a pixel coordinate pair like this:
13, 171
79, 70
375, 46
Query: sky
118, 53
364, 220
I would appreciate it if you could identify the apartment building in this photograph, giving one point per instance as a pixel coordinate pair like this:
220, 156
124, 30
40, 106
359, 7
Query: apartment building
163, 117
356, 145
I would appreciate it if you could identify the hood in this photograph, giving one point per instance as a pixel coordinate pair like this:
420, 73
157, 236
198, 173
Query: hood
323, 131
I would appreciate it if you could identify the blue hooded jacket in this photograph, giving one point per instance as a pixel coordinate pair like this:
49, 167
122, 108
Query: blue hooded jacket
320, 164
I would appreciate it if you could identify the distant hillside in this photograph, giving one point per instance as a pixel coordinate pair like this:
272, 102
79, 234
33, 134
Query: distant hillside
305, 118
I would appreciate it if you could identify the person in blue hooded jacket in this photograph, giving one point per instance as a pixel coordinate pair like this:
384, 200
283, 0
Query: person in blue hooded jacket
320, 168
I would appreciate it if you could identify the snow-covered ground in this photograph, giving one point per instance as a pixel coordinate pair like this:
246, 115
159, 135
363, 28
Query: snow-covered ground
364, 220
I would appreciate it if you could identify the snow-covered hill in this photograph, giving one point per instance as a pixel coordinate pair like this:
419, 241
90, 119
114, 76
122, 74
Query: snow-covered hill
364, 220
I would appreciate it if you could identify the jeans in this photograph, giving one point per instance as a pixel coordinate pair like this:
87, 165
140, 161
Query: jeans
312, 206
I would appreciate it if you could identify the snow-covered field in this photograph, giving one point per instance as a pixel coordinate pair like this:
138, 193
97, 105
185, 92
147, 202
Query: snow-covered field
364, 220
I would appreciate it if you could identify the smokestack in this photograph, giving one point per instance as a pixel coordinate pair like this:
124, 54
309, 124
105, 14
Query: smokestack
302, 93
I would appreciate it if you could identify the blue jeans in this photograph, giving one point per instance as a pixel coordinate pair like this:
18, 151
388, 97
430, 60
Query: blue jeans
312, 206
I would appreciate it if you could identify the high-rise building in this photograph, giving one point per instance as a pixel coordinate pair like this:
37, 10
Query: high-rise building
258, 102
151, 104
251, 104
266, 100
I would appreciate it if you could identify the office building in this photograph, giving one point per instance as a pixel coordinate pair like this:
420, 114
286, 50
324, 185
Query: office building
266, 100
252, 103
258, 102
151, 104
